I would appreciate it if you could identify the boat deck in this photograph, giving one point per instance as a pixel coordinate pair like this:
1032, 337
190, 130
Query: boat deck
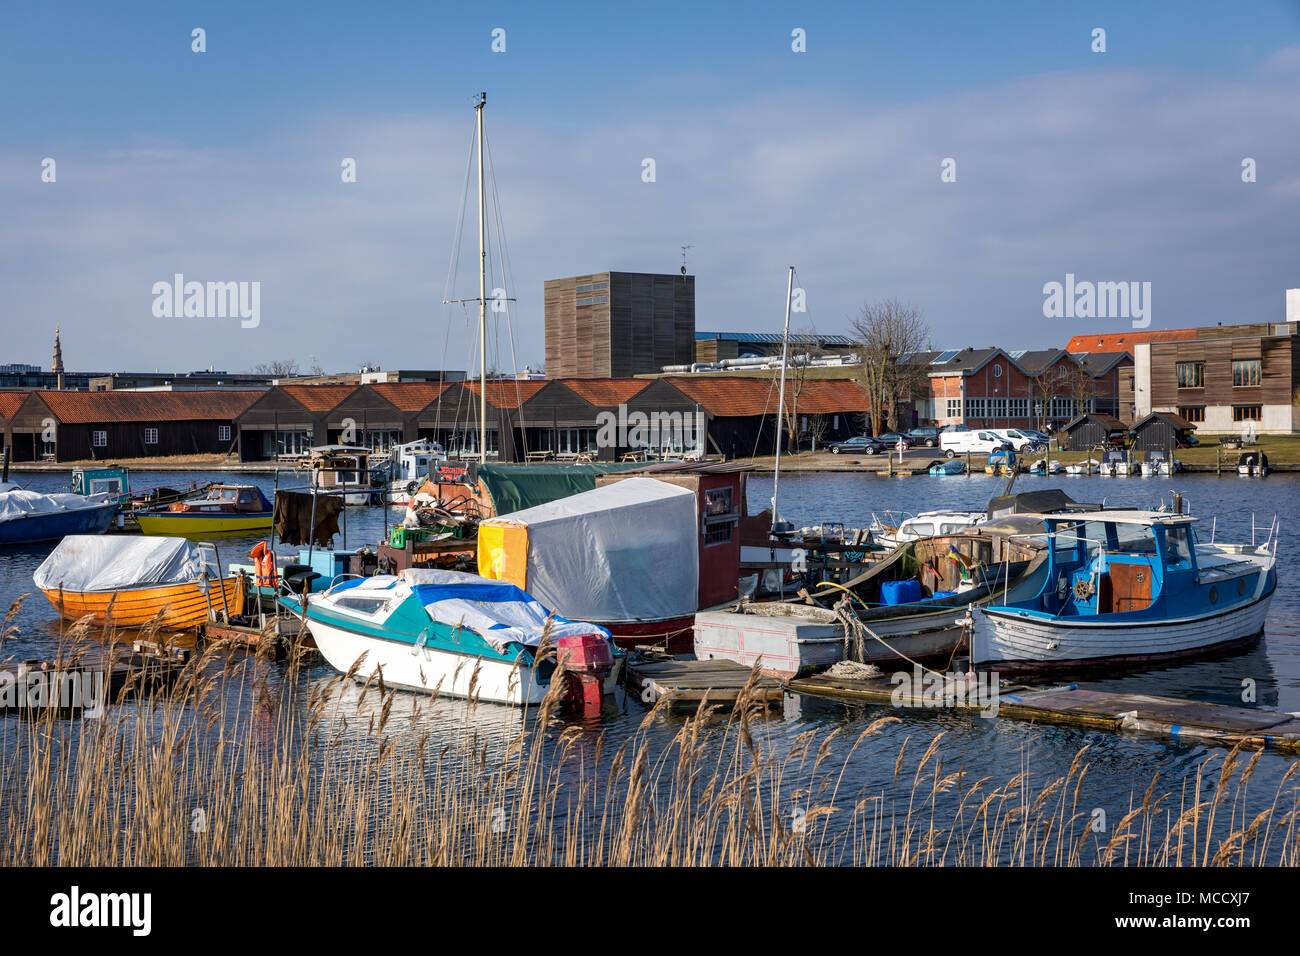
1165, 717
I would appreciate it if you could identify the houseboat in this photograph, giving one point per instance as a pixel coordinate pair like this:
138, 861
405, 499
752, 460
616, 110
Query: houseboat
342, 470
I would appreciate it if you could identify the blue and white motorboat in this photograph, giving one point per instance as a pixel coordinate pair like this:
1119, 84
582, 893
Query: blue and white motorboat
1114, 462
1130, 587
27, 517
446, 631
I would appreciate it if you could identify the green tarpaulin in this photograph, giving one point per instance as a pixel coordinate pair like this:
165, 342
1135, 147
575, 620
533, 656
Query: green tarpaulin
515, 487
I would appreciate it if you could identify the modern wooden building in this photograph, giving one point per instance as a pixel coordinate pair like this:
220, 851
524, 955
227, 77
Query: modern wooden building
1224, 379
618, 324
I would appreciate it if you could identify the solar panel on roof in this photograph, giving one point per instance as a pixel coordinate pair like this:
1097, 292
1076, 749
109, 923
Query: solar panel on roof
1018, 353
947, 356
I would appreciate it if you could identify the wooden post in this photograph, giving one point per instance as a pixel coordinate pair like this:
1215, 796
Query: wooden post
968, 463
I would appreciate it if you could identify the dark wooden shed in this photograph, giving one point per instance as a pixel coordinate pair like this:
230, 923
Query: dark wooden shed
1163, 431
1093, 429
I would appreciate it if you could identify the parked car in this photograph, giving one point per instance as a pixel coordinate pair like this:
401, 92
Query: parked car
980, 442
858, 445
1022, 440
927, 435
892, 439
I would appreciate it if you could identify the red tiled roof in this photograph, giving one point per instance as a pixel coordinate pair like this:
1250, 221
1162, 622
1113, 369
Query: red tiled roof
606, 391
509, 393
410, 396
9, 402
740, 397
1124, 341
92, 407
318, 398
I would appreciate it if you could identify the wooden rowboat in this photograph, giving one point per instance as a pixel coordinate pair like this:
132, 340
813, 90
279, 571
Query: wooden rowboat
182, 606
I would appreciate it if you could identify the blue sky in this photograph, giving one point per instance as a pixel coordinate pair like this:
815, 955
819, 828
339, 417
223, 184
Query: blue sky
1115, 166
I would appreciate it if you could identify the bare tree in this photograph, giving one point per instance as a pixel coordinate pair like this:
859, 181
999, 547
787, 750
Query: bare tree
1048, 385
804, 347
1082, 387
887, 331
279, 368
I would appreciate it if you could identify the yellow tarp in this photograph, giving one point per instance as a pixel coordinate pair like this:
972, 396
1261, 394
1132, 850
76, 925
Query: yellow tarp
503, 552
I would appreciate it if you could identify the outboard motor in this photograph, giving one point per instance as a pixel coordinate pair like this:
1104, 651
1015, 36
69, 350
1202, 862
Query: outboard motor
587, 660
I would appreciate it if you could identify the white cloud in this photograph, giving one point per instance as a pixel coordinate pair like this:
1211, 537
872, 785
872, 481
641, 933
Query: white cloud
1109, 176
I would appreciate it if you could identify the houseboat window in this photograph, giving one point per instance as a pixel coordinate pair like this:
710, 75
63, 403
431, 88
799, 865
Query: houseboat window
1178, 545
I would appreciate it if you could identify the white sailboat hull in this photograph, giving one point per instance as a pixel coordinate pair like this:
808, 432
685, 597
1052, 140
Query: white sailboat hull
1006, 637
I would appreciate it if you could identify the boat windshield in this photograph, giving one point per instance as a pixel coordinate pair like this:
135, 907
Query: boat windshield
227, 494
1114, 537
1179, 543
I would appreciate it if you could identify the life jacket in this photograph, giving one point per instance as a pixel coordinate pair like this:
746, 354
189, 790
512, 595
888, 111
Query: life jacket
264, 565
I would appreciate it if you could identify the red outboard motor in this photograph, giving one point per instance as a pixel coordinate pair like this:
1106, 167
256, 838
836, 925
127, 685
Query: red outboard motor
587, 661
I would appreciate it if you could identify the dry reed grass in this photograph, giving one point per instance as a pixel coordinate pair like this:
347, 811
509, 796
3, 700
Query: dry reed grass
245, 763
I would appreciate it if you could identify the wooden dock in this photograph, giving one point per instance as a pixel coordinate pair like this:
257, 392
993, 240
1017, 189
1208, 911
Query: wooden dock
78, 686
1167, 717
688, 682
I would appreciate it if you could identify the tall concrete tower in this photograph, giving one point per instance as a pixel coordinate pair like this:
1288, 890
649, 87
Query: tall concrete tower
57, 368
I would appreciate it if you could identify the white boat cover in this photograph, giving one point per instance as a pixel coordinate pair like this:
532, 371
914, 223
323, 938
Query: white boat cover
627, 551
86, 562
20, 503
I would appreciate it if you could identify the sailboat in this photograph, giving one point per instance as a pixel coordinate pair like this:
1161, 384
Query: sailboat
462, 635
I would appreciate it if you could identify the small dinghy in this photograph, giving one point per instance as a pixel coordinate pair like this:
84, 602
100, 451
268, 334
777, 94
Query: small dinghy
953, 466
1045, 467
1115, 462
131, 581
1252, 464
1086, 467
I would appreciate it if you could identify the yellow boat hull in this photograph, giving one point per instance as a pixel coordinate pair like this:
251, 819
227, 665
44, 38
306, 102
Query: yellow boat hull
181, 525
183, 606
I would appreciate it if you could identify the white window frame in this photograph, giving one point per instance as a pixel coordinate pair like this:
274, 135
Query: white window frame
223, 433
99, 439
154, 433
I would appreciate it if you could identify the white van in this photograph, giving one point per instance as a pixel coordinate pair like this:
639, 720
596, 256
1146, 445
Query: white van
979, 441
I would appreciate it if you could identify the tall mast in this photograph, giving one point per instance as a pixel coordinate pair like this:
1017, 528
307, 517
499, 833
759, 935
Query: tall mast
482, 288
780, 402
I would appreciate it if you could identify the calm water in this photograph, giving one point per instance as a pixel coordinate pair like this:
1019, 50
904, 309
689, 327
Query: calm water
1121, 765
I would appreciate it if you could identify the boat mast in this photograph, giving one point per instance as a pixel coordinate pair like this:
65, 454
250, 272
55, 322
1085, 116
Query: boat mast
482, 288
780, 406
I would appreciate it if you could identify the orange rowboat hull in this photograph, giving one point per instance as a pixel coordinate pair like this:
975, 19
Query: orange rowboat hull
183, 606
